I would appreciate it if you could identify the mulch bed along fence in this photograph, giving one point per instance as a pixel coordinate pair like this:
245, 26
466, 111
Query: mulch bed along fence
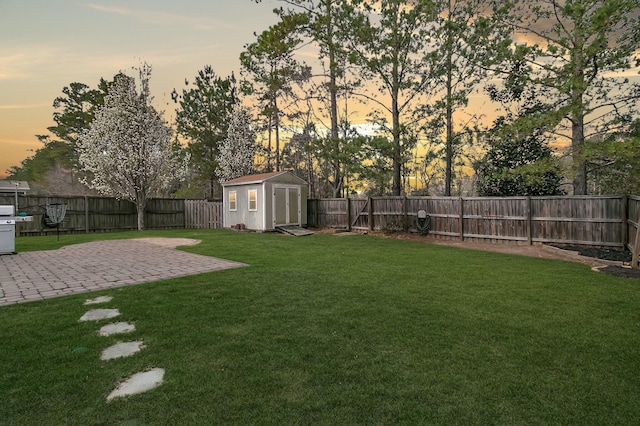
605, 221
621, 271
604, 253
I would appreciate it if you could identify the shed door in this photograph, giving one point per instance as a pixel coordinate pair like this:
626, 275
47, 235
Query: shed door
280, 206
292, 219
286, 206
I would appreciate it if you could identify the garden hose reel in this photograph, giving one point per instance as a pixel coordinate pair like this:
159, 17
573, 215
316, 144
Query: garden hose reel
423, 222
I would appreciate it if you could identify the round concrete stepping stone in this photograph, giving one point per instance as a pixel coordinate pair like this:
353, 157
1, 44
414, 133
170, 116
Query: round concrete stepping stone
138, 383
116, 328
99, 314
97, 300
121, 350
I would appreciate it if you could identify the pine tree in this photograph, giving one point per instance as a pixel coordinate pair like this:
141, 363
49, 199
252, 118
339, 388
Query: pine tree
581, 51
205, 108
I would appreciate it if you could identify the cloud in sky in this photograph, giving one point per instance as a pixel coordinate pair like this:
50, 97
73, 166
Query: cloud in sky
25, 106
19, 63
163, 18
20, 143
8, 65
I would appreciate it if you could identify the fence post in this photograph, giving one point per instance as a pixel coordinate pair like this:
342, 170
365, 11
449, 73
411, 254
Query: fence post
370, 213
184, 212
529, 222
636, 247
348, 214
405, 215
625, 221
86, 213
461, 219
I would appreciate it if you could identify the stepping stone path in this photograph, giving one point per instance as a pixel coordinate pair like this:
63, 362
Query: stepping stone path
139, 382
121, 350
98, 300
116, 328
99, 314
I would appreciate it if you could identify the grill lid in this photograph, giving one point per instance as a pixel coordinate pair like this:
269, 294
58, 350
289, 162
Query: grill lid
6, 211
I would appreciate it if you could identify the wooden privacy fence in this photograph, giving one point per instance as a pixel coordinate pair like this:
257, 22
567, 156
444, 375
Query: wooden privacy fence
101, 214
598, 220
202, 214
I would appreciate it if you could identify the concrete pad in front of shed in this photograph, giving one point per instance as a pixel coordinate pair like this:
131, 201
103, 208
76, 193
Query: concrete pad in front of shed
98, 300
116, 328
121, 350
99, 314
139, 383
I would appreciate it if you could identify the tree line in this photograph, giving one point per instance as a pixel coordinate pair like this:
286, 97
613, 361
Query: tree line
386, 104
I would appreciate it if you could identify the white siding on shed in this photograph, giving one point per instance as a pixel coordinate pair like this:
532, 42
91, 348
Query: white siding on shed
281, 199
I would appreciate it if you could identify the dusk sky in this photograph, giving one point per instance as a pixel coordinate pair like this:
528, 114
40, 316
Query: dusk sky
46, 45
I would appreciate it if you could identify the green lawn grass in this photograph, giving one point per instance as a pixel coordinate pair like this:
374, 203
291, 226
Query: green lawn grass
336, 330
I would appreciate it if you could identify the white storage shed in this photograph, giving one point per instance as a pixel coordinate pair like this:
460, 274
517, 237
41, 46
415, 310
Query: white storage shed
265, 201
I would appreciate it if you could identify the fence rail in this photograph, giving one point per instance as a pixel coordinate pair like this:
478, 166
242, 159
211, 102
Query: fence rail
102, 214
608, 221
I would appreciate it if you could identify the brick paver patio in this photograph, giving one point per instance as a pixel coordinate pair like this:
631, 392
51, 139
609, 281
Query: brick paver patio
85, 267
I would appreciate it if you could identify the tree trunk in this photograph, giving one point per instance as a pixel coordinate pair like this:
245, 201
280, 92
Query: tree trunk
140, 207
277, 125
337, 181
449, 115
577, 142
578, 110
269, 168
397, 150
449, 136
395, 113
333, 96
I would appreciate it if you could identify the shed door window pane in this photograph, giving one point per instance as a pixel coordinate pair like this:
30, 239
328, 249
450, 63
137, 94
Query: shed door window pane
232, 201
253, 200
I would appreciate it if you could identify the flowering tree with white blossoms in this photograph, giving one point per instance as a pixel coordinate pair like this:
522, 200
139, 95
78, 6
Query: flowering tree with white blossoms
128, 148
238, 148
